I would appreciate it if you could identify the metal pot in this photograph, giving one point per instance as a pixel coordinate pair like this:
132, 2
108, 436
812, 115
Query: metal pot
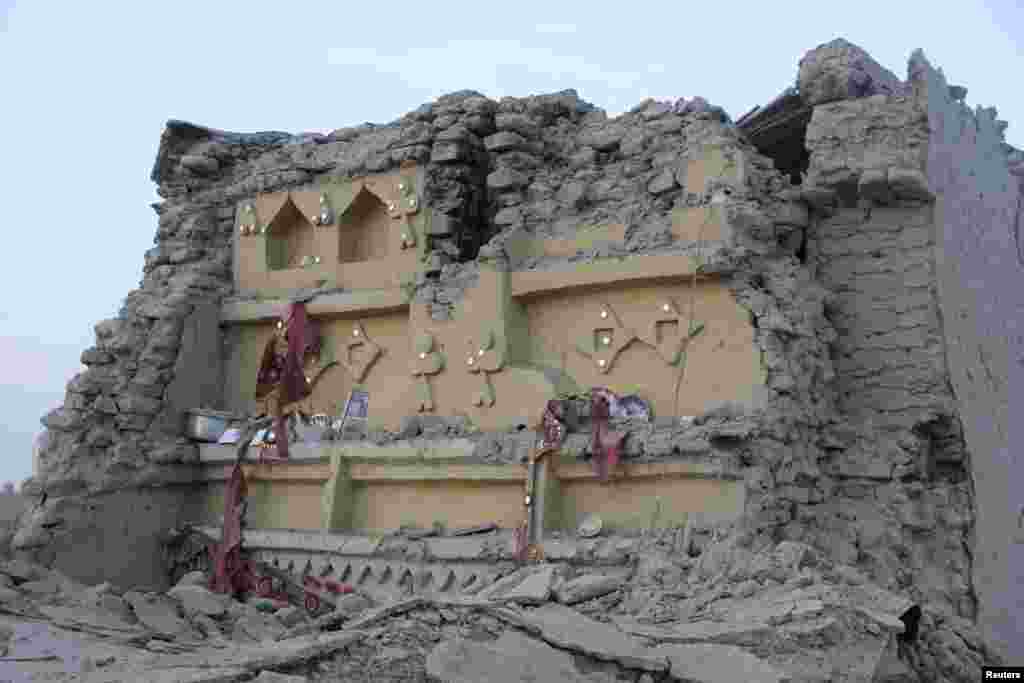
206, 425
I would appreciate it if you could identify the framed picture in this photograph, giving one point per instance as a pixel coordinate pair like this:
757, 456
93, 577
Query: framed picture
357, 410
357, 406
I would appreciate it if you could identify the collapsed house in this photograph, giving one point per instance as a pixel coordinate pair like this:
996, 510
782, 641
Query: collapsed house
810, 309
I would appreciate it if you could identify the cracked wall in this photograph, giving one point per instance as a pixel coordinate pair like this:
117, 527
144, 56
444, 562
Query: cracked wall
882, 433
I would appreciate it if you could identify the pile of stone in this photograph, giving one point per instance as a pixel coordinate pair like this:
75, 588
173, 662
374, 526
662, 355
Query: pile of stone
744, 609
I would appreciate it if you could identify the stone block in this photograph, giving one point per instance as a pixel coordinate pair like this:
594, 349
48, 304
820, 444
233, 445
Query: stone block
449, 151
467, 548
504, 141
662, 182
138, 405
258, 627
603, 138
569, 630
717, 664
512, 658
874, 185
586, 588
909, 183
274, 677
534, 590
198, 600
505, 179
519, 123
841, 70
158, 613
200, 164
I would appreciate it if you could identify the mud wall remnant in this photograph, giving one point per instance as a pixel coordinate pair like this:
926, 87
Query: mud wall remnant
877, 438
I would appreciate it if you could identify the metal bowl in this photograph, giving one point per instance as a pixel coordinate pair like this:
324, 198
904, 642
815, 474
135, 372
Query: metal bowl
206, 425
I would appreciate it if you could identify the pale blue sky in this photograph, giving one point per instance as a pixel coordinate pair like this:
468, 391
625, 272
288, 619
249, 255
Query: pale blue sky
85, 89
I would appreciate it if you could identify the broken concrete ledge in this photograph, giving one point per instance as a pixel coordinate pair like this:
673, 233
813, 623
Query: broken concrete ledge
592, 275
490, 547
448, 460
368, 302
438, 450
238, 663
603, 274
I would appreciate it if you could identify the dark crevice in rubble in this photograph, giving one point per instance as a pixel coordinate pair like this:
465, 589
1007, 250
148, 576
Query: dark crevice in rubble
801, 251
944, 450
778, 131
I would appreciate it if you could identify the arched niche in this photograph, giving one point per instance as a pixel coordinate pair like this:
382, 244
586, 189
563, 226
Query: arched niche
291, 237
364, 229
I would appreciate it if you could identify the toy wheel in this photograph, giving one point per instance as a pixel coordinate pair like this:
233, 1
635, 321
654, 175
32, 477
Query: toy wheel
265, 586
312, 603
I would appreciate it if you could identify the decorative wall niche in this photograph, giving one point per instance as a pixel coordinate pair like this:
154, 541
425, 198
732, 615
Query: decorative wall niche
291, 238
364, 230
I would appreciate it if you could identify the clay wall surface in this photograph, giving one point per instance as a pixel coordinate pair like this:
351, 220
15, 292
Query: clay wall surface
895, 457
341, 488
389, 505
722, 363
116, 536
979, 276
523, 313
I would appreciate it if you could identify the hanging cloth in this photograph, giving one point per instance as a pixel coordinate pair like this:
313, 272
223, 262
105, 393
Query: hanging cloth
227, 559
604, 444
284, 372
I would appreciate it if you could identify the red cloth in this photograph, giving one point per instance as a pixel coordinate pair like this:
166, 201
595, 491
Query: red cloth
303, 337
553, 425
228, 555
286, 370
604, 444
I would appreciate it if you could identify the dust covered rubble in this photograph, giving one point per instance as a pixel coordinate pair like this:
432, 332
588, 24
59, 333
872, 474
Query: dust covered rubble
729, 606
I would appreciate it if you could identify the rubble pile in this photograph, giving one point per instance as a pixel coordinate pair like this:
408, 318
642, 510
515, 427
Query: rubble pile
782, 612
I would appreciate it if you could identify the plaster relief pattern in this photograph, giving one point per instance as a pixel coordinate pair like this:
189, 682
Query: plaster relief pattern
482, 360
608, 338
665, 332
360, 353
425, 363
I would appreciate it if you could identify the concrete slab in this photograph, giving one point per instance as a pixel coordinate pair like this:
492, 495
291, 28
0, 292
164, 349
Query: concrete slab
717, 664
199, 600
159, 614
586, 588
512, 658
461, 548
568, 629
701, 632
534, 590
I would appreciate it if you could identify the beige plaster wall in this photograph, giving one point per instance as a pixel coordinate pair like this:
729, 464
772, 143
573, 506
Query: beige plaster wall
379, 496
272, 504
529, 362
381, 506
636, 503
722, 362
285, 504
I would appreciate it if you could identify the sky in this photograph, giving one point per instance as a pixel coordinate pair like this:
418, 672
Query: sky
85, 89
